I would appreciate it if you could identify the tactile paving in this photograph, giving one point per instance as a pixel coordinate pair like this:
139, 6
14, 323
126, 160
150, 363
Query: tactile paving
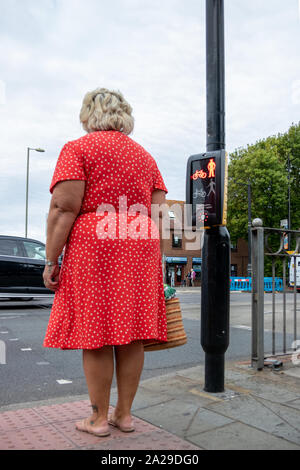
64, 411
37, 438
83, 439
10, 420
53, 427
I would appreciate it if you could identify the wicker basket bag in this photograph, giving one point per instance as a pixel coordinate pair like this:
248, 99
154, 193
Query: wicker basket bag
175, 329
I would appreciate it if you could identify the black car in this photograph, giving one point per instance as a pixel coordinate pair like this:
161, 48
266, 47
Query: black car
22, 262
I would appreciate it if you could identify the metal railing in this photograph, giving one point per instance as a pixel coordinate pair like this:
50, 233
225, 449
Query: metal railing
260, 249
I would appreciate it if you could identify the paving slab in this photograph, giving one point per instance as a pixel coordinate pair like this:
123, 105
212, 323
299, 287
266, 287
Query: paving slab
170, 385
174, 416
143, 399
294, 404
293, 372
264, 388
259, 415
239, 436
206, 420
155, 440
285, 412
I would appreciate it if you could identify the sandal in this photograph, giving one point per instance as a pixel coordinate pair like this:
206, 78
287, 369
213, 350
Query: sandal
85, 426
119, 426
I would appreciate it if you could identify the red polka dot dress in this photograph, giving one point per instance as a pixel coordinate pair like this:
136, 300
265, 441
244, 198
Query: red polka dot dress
111, 283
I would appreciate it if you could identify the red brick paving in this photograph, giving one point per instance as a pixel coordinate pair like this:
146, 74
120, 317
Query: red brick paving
53, 428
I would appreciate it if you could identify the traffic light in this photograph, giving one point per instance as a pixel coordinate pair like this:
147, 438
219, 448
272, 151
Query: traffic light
206, 188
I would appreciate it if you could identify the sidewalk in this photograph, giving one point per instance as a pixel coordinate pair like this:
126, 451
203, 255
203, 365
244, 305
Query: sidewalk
258, 410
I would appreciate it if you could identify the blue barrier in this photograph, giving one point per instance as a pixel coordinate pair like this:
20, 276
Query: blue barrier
268, 284
245, 284
241, 283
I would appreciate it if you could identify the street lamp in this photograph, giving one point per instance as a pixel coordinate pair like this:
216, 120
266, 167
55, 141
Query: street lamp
289, 200
27, 184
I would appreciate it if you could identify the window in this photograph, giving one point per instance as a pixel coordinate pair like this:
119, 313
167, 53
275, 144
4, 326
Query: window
234, 270
233, 246
171, 215
176, 241
197, 269
9, 247
35, 250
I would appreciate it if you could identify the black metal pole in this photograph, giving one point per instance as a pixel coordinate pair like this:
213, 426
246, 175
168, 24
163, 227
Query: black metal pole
289, 202
216, 247
249, 229
215, 75
215, 305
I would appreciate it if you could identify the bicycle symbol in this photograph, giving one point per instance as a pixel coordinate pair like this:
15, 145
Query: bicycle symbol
199, 193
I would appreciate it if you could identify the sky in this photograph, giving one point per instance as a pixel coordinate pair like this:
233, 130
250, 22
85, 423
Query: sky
53, 51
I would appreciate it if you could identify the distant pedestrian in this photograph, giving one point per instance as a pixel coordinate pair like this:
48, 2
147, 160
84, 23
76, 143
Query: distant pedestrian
193, 277
189, 278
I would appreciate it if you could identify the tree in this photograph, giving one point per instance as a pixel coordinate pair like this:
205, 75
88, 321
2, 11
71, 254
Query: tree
265, 165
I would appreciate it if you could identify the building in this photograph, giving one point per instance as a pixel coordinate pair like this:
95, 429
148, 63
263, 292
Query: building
239, 258
181, 250
179, 255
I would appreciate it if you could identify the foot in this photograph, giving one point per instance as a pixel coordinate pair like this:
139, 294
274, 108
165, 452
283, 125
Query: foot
124, 423
98, 427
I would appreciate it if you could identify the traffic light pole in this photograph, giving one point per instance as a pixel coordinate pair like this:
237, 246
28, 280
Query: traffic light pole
216, 247
215, 75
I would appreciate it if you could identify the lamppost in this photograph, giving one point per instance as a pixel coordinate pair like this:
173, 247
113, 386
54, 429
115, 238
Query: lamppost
289, 200
27, 185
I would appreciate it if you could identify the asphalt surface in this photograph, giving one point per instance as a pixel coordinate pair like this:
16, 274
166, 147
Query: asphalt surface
32, 372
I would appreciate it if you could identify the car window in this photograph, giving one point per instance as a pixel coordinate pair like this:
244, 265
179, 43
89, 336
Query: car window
34, 250
9, 247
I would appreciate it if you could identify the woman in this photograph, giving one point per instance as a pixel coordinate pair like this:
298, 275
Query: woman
192, 277
109, 294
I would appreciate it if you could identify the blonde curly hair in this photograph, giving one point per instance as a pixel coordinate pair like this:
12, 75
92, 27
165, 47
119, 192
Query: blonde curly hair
104, 110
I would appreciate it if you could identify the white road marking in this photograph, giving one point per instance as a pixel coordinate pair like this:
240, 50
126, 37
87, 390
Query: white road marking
242, 327
4, 332
11, 317
26, 349
13, 339
63, 381
42, 363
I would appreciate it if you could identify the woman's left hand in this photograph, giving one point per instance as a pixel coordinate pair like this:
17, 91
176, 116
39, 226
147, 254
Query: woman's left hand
51, 277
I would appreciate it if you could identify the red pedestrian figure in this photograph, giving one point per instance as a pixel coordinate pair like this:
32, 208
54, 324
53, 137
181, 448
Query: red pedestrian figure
211, 167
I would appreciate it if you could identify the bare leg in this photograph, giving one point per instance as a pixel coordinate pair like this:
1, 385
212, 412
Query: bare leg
98, 365
129, 366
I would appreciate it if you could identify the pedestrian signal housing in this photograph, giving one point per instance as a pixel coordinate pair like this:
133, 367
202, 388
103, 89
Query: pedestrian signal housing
206, 188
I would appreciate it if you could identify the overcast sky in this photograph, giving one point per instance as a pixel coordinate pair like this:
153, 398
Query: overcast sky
54, 51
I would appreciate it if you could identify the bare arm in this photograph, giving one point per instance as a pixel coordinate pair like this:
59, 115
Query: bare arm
64, 208
159, 197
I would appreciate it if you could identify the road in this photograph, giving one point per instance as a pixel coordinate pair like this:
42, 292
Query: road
32, 372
